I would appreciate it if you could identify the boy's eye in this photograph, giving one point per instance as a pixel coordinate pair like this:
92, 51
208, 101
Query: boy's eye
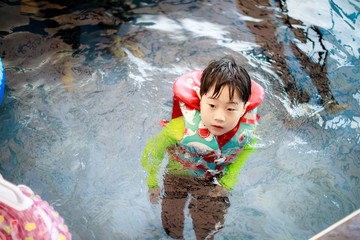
231, 109
212, 105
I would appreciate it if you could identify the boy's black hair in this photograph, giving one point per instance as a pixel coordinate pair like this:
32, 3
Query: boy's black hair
226, 72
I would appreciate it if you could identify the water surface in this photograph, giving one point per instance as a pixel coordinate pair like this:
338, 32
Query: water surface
88, 82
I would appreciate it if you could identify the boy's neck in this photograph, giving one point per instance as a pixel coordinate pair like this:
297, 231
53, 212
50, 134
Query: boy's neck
226, 137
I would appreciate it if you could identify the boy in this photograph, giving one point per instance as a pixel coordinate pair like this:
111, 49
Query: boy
214, 116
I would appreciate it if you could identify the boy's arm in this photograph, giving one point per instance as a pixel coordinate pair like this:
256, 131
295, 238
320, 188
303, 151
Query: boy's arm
230, 178
156, 147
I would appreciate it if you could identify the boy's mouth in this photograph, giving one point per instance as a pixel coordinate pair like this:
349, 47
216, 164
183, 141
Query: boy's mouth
217, 127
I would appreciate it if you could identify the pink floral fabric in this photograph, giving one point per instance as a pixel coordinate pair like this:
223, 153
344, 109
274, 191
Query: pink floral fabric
39, 222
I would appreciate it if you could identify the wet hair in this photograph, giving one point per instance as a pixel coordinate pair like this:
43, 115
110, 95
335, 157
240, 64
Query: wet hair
226, 72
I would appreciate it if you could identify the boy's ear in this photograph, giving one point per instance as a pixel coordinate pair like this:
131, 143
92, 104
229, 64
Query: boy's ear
245, 107
198, 93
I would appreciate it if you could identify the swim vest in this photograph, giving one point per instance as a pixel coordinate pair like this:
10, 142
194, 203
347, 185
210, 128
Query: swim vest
199, 151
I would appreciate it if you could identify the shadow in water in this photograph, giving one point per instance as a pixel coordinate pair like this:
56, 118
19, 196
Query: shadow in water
264, 22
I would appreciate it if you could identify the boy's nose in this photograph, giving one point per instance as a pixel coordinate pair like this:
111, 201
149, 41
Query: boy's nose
219, 116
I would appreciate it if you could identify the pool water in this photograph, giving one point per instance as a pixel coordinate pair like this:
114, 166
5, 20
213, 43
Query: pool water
88, 81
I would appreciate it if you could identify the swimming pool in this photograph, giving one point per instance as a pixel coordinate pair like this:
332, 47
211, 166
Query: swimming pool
87, 83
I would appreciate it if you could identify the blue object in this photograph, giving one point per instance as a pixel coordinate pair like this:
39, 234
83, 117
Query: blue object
2, 80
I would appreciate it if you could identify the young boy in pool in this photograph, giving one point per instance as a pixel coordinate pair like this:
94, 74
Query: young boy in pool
214, 116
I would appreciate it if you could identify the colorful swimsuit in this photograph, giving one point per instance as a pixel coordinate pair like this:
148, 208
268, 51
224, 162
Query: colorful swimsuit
199, 150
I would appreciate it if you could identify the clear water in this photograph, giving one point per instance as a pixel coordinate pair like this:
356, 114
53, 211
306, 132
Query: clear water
87, 83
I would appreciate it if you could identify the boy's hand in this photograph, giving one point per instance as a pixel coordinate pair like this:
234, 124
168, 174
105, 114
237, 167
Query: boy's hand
154, 195
219, 191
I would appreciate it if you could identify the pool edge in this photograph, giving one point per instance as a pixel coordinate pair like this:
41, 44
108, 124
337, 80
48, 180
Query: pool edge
346, 228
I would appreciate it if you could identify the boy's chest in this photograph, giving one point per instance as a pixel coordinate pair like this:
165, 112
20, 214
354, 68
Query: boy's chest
199, 141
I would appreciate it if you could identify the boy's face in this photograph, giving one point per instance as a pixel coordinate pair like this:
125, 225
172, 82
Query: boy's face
220, 115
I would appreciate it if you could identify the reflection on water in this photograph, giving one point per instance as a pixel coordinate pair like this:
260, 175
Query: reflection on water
87, 83
274, 40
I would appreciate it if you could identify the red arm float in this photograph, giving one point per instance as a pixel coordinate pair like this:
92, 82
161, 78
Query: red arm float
184, 89
256, 97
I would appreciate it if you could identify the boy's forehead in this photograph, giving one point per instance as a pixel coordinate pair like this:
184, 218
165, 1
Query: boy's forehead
224, 95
